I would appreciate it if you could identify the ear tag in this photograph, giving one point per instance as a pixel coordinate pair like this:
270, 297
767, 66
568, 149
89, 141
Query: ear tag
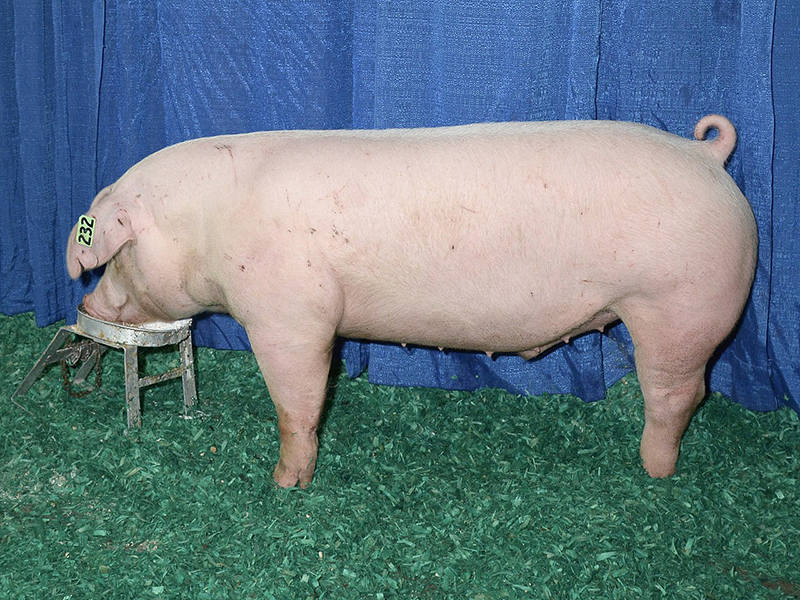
85, 234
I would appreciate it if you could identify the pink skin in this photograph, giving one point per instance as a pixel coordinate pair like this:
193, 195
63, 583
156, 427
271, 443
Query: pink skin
494, 237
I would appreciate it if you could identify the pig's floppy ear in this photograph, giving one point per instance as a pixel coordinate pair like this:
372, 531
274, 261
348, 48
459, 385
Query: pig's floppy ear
110, 231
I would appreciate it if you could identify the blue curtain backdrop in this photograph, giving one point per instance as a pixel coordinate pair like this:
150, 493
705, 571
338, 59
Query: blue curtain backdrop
89, 87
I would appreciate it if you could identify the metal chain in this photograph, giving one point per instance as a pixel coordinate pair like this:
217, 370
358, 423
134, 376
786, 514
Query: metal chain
82, 351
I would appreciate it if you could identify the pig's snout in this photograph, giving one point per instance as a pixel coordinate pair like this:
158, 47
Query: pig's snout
100, 309
91, 308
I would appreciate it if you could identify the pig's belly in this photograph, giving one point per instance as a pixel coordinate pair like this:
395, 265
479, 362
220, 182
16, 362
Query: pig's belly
479, 327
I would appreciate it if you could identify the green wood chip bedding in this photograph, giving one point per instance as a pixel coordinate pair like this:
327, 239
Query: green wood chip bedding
418, 493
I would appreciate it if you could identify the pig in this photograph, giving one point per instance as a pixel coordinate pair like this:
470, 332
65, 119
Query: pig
493, 237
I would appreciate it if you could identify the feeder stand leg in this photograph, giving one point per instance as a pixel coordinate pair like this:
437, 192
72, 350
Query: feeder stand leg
50, 355
132, 386
187, 375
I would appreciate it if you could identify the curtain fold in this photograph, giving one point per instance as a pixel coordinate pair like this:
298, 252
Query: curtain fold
49, 98
91, 87
783, 292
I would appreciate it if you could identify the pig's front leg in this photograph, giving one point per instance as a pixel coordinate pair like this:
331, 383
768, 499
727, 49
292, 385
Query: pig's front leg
296, 373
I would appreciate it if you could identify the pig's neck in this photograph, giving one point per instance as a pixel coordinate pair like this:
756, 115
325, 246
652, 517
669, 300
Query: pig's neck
191, 288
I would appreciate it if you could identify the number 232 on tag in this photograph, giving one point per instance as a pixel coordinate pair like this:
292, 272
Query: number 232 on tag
85, 233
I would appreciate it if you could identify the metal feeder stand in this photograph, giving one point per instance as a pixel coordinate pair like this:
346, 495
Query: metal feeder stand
129, 339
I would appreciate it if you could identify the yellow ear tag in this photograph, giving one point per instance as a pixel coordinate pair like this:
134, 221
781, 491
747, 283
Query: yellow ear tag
85, 234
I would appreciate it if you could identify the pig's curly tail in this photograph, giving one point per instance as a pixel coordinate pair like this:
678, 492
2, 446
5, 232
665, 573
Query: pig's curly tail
722, 146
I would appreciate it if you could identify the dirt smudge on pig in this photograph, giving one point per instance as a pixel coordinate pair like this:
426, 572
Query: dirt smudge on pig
227, 148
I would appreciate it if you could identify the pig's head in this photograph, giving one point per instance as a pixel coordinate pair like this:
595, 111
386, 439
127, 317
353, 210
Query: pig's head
127, 292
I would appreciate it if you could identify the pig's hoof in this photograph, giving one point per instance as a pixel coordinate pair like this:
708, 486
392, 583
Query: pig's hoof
659, 472
287, 477
659, 464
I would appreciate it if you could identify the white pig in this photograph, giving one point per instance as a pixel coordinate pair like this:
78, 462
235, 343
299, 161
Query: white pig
506, 237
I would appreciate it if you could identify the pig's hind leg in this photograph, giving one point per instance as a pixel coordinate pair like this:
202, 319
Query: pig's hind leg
296, 373
672, 348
